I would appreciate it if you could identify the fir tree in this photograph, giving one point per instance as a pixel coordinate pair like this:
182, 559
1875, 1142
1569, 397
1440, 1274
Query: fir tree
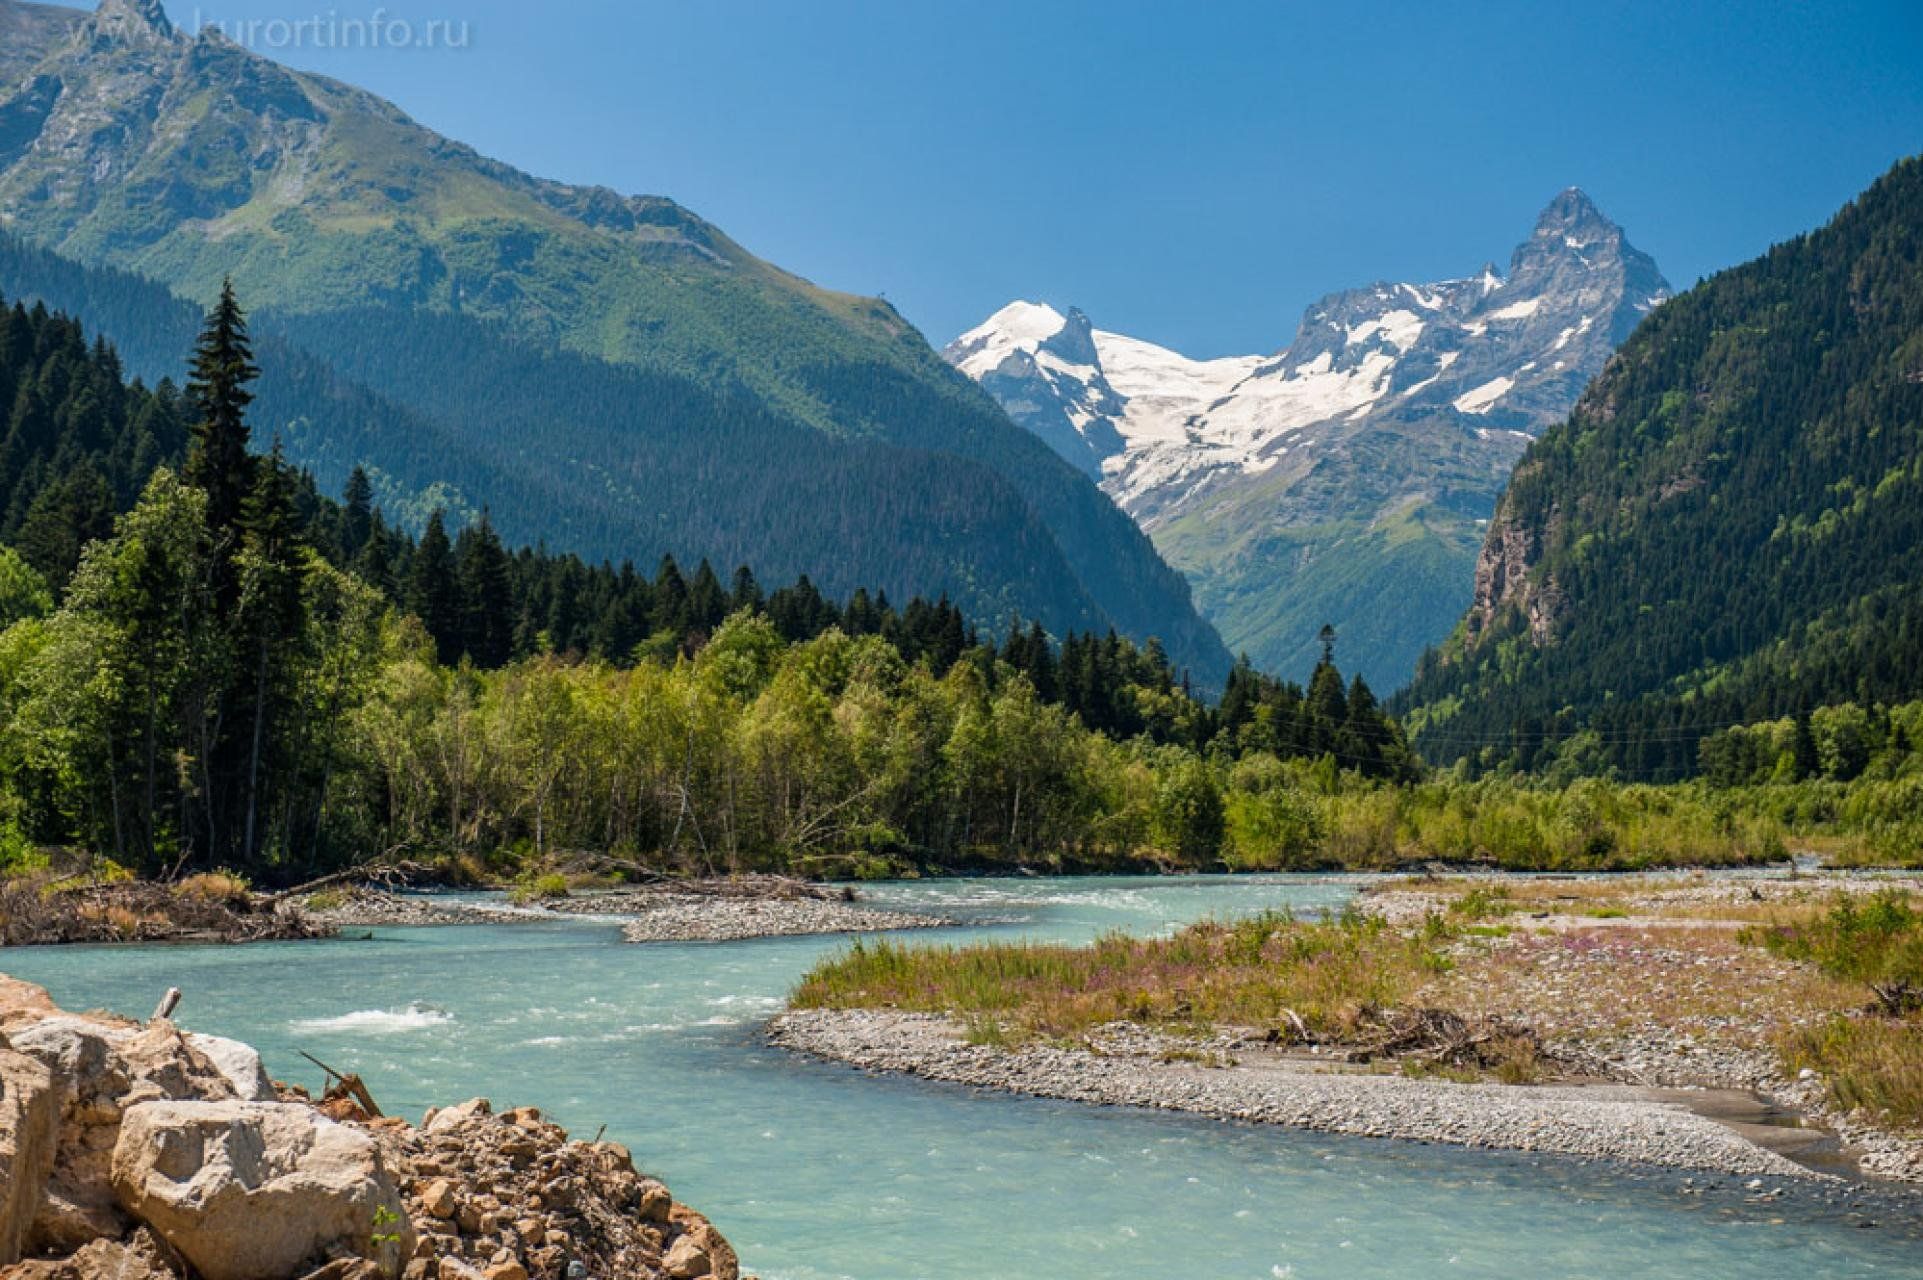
433, 591
267, 632
487, 595
357, 514
218, 462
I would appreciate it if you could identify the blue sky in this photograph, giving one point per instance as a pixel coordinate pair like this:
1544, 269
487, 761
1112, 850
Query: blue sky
1192, 175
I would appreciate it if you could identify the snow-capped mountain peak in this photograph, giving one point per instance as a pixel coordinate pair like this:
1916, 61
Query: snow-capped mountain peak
1486, 355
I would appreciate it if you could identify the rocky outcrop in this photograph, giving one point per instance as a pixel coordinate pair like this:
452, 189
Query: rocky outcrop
208, 1175
29, 1124
103, 1068
510, 1197
1505, 577
135, 1151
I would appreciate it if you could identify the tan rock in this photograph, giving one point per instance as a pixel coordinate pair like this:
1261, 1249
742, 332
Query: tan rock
239, 1065
29, 1136
509, 1270
438, 1198
722, 1261
655, 1204
453, 1117
208, 1175
687, 1260
22, 1001
347, 1269
102, 1066
139, 1257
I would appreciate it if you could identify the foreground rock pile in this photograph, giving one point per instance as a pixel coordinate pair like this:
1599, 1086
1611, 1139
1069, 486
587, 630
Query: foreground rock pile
141, 1152
509, 1197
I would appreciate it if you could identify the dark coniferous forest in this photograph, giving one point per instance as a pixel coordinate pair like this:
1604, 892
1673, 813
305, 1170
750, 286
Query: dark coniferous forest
1728, 529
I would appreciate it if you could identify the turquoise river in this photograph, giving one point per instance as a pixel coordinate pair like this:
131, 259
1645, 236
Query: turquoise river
818, 1172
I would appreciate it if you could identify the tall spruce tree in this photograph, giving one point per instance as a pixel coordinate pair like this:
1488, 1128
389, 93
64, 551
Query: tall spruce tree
433, 589
487, 594
268, 627
357, 514
222, 370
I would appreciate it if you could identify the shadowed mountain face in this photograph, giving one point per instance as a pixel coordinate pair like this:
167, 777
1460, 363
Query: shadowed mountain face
125, 143
1345, 479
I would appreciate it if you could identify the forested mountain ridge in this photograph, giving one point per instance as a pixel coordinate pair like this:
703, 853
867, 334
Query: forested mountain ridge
1728, 528
188, 159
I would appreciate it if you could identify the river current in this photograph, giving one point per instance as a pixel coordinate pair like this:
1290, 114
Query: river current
816, 1172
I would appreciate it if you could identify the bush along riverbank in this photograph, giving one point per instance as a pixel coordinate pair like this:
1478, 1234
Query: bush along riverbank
1669, 1020
139, 1151
48, 909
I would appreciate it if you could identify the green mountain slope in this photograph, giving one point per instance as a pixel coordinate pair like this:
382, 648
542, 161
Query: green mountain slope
1377, 536
1728, 527
621, 463
187, 160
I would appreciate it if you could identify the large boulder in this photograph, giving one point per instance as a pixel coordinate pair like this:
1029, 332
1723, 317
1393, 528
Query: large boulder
208, 1176
29, 1133
102, 1067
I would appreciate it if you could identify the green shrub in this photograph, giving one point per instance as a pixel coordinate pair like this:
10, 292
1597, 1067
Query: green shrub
1877, 941
541, 888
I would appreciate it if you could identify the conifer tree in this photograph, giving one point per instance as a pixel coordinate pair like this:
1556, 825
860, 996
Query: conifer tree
357, 513
267, 628
746, 593
218, 462
433, 592
487, 595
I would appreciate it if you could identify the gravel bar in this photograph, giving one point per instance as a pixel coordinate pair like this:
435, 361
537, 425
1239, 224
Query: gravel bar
694, 918
1572, 1121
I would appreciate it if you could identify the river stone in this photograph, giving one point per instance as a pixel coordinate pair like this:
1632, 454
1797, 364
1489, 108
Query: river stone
207, 1175
29, 1133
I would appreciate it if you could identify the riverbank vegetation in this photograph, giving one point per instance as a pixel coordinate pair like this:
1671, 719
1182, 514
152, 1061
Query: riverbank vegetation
1672, 979
1873, 1058
1313, 980
205, 664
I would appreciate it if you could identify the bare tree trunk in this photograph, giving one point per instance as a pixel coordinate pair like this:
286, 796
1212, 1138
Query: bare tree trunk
253, 753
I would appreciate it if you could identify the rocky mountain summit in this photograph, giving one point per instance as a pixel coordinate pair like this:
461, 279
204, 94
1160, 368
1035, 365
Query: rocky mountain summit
1345, 477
